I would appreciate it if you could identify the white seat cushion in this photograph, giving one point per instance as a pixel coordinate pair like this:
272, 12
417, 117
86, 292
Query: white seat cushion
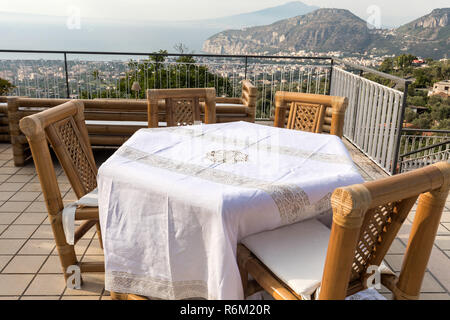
295, 254
230, 105
68, 214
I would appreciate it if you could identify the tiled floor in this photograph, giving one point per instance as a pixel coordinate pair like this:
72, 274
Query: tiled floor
29, 265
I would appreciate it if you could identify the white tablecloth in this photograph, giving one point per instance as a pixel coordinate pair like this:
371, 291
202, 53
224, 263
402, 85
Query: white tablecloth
174, 202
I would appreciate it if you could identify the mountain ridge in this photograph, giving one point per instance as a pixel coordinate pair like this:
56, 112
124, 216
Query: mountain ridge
46, 32
330, 30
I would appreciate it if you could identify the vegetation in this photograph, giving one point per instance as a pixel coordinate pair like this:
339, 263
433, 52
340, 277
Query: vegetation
5, 87
436, 109
157, 72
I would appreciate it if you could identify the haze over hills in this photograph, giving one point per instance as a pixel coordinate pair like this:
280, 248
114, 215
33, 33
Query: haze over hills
39, 32
261, 17
326, 30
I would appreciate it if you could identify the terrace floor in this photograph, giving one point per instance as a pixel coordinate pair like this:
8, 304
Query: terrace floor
29, 265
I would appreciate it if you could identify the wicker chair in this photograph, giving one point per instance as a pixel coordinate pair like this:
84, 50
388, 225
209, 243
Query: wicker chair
182, 106
64, 127
244, 104
310, 112
306, 260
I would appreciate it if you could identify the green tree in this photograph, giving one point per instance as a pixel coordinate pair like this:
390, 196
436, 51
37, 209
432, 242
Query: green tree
387, 65
157, 72
410, 115
5, 87
424, 121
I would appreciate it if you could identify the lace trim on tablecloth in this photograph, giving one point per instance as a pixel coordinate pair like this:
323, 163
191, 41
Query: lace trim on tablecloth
144, 285
292, 201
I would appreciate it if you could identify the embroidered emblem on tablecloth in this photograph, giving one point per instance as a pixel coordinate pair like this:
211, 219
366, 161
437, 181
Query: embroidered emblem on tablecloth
292, 201
231, 141
226, 156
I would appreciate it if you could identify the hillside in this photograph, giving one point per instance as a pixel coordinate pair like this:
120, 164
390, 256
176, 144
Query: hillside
327, 30
42, 32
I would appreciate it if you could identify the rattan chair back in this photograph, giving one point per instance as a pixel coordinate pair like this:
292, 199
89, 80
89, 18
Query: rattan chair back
182, 106
310, 112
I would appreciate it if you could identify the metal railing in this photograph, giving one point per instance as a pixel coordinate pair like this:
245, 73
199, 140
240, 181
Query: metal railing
373, 120
422, 147
79, 74
374, 117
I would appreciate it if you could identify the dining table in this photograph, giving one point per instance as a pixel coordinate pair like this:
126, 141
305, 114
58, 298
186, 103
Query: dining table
174, 202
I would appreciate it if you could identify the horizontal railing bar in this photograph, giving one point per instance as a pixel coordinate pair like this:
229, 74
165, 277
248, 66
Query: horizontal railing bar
425, 130
165, 54
425, 148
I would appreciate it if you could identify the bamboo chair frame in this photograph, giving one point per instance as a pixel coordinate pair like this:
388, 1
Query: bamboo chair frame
181, 105
248, 99
331, 120
64, 127
358, 210
116, 110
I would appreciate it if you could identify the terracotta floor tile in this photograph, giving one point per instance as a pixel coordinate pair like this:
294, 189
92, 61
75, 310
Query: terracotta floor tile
93, 284
439, 265
8, 170
27, 170
13, 285
434, 296
14, 206
52, 265
8, 217
40, 298
443, 242
94, 248
445, 217
11, 186
6, 195
394, 261
397, 247
25, 196
4, 177
39, 247
43, 232
80, 298
33, 186
25, 264
18, 231
20, 178
37, 206
430, 284
4, 260
10, 246
46, 284
31, 218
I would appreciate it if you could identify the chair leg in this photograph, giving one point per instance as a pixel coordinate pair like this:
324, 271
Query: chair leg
66, 252
420, 244
242, 256
126, 296
99, 234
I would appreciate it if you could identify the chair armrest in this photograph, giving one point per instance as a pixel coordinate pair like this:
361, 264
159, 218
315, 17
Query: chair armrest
229, 100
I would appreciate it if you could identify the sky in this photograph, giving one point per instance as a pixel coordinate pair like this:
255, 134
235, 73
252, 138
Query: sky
393, 12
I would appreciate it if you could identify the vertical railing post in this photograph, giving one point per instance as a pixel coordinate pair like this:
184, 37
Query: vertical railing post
330, 76
67, 75
246, 65
401, 118
356, 107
